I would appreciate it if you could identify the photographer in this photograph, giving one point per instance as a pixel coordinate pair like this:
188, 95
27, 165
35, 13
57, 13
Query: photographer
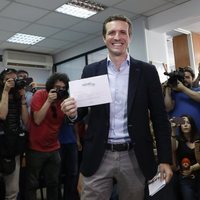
13, 111
46, 118
30, 85
182, 98
23, 77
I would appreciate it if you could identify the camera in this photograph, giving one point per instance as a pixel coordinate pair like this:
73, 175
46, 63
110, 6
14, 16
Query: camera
178, 120
61, 94
174, 77
21, 83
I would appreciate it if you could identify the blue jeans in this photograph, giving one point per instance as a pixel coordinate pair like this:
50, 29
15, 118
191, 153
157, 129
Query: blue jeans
188, 188
47, 163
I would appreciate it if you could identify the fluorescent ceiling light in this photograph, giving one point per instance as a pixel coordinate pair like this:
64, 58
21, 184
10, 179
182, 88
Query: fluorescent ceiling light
25, 39
80, 8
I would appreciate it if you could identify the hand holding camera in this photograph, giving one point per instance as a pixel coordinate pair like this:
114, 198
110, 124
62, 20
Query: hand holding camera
176, 121
179, 87
175, 77
52, 96
9, 84
21, 83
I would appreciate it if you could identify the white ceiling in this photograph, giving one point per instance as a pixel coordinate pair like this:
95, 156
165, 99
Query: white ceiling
63, 31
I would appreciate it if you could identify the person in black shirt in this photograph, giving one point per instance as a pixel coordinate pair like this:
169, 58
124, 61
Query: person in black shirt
13, 111
188, 168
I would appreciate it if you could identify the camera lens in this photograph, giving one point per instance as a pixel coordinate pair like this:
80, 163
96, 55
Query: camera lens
61, 94
20, 84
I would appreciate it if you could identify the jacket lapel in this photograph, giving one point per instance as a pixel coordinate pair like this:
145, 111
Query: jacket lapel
134, 76
101, 70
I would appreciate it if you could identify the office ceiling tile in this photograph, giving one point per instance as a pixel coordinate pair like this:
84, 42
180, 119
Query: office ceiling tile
180, 1
18, 11
139, 6
64, 31
109, 2
195, 27
3, 4
52, 43
11, 24
100, 17
87, 27
69, 35
41, 30
47, 4
159, 9
59, 20
5, 35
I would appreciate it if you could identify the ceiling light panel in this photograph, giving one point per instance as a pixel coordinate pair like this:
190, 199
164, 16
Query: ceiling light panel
80, 8
25, 39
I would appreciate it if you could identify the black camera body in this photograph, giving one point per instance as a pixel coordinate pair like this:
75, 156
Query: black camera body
21, 83
174, 77
62, 94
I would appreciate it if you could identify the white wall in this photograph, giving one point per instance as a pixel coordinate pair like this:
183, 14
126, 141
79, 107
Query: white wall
138, 47
157, 52
156, 46
80, 49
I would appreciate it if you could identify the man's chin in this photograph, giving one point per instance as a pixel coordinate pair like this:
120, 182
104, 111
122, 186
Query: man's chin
117, 53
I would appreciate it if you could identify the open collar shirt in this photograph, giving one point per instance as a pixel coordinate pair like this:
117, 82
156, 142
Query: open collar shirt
118, 81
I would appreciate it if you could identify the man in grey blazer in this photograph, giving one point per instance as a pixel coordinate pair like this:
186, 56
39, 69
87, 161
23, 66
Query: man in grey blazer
118, 144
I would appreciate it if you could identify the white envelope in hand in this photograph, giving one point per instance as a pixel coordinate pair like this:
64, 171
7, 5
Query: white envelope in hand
91, 91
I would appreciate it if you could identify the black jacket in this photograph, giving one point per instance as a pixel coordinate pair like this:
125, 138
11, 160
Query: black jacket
144, 95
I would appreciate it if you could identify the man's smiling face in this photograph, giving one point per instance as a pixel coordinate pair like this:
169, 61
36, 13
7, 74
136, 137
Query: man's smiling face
117, 37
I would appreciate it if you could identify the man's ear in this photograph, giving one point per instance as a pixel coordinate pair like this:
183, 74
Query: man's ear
104, 40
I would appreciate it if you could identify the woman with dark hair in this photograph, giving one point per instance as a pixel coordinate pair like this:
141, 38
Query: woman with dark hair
183, 146
46, 119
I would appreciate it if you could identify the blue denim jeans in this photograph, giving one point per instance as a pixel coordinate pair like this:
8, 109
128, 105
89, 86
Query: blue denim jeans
47, 165
188, 188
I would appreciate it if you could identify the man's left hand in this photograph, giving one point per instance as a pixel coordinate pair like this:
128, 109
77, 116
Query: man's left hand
165, 171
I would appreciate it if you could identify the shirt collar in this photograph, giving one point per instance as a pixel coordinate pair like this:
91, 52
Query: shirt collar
109, 61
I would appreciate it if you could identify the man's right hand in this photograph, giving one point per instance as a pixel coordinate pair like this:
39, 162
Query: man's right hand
69, 107
180, 87
52, 96
10, 83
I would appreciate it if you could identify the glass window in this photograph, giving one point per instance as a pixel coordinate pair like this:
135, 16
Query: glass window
97, 56
72, 68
